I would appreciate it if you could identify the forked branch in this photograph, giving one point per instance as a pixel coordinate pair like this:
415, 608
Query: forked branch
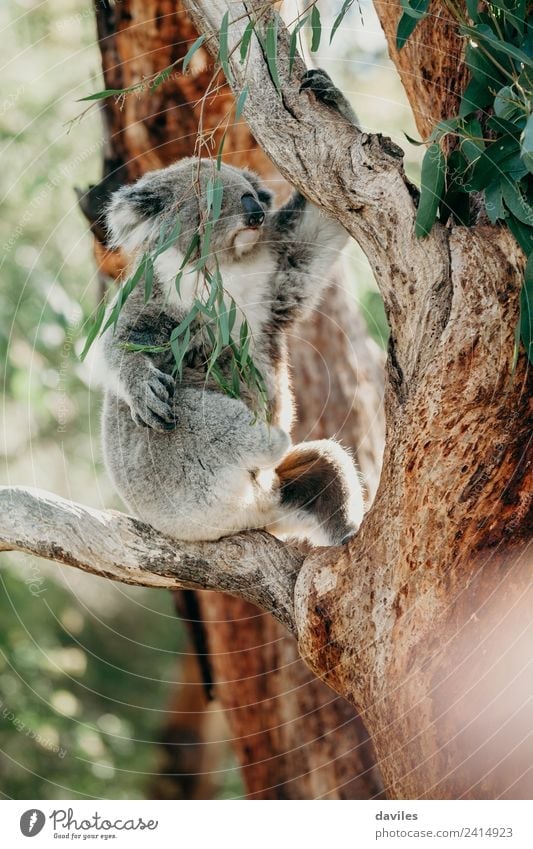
355, 176
253, 566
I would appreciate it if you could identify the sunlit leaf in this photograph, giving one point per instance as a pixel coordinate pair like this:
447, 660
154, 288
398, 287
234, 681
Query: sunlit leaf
340, 17
191, 51
93, 330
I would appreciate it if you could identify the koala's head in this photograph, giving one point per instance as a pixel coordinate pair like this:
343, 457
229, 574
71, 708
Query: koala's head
138, 213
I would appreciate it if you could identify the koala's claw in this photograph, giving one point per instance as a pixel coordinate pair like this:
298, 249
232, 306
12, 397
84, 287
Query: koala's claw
326, 92
322, 86
153, 405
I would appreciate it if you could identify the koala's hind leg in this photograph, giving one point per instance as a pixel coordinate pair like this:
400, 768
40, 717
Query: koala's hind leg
320, 493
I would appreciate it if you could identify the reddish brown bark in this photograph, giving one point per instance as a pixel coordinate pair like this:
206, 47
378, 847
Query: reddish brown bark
293, 736
430, 63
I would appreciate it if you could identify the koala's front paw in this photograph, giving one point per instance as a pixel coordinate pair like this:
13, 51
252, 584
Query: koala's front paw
151, 401
325, 91
322, 86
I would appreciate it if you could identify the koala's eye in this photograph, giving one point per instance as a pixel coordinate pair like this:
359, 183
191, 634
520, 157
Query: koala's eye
265, 197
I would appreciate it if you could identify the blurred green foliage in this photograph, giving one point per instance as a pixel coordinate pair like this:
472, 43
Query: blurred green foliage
82, 693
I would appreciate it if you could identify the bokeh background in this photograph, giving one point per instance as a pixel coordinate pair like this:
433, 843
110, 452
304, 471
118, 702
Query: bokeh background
88, 668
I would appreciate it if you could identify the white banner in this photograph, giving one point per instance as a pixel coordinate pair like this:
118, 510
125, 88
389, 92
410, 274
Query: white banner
267, 825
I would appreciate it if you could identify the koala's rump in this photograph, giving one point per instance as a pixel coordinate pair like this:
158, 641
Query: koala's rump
193, 482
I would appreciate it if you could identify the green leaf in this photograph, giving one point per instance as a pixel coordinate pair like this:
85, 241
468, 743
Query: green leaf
472, 9
93, 330
494, 202
240, 103
433, 172
417, 9
412, 13
340, 17
294, 41
450, 125
232, 315
220, 151
516, 202
411, 140
271, 49
456, 201
316, 26
214, 195
108, 92
179, 349
124, 292
500, 157
148, 279
184, 324
526, 145
205, 245
483, 32
162, 77
507, 105
223, 50
167, 237
481, 67
522, 233
526, 310
191, 51
476, 95
472, 144
245, 41
223, 322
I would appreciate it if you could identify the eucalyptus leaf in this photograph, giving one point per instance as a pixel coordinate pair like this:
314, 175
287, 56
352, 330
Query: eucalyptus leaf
494, 202
223, 49
432, 188
271, 49
526, 145
294, 41
340, 17
316, 27
93, 329
191, 51
516, 202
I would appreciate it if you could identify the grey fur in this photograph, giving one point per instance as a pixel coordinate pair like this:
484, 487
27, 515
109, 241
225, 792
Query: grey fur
186, 458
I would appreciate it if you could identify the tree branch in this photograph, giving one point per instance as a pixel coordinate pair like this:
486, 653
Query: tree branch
356, 177
253, 566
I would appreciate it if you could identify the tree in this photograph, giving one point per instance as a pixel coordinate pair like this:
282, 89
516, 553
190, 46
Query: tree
421, 621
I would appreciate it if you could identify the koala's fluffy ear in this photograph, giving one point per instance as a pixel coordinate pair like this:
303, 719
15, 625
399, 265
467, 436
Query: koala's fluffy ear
133, 211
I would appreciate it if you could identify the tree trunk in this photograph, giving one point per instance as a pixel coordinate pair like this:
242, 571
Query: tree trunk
292, 735
424, 619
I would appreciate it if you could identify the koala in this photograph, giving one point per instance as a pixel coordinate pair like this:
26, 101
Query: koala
186, 457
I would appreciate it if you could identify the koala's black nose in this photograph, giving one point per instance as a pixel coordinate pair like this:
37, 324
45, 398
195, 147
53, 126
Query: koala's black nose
253, 211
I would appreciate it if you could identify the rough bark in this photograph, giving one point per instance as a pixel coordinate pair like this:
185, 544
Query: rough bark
315, 743
430, 63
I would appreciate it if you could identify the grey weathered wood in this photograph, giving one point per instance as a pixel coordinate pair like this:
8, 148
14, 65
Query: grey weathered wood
254, 566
